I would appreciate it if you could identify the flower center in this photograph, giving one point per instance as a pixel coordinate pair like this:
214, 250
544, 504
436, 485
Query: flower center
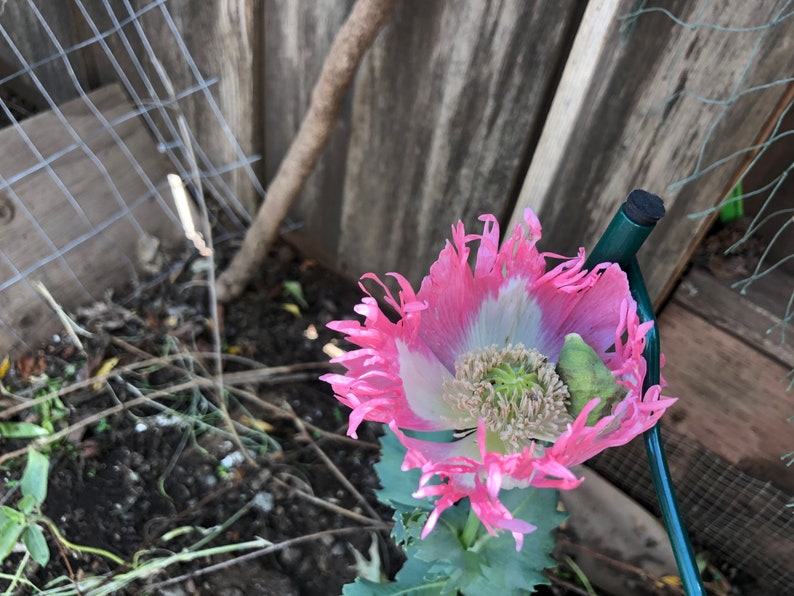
515, 390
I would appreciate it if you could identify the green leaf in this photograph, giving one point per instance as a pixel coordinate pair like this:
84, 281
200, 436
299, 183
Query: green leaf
10, 531
295, 291
22, 430
587, 377
397, 486
34, 478
410, 581
733, 208
36, 544
518, 572
7, 513
441, 563
27, 504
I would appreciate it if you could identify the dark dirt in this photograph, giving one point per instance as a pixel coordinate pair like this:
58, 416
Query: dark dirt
138, 474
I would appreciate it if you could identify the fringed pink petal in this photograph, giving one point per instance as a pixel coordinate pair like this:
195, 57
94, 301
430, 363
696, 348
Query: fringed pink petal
454, 293
459, 476
632, 418
373, 385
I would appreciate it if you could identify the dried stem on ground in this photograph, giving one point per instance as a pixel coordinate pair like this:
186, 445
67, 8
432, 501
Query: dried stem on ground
354, 38
267, 551
363, 519
265, 375
301, 426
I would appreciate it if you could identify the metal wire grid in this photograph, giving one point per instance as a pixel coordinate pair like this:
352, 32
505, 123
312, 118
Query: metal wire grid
739, 519
162, 115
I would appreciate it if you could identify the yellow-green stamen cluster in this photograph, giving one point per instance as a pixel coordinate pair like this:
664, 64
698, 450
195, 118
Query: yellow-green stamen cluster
515, 390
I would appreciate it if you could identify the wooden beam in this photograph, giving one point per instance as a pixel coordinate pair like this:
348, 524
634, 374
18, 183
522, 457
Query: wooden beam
732, 398
75, 212
560, 128
750, 318
31, 39
222, 38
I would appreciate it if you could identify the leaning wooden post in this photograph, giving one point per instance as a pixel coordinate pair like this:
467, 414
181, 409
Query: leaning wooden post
350, 44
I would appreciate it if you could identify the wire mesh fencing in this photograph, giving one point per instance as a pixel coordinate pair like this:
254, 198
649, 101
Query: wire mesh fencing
731, 516
100, 101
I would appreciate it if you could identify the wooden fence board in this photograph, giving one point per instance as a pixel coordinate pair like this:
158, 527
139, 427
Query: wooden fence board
298, 36
35, 45
439, 130
442, 111
640, 126
222, 37
97, 238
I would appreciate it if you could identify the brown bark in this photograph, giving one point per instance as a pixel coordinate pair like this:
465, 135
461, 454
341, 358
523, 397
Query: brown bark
354, 38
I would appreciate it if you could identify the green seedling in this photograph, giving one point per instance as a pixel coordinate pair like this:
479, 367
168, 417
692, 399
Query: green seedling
25, 523
22, 522
102, 426
50, 411
294, 290
22, 430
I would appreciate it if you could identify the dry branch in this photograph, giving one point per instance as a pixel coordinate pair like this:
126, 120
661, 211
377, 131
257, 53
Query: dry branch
354, 38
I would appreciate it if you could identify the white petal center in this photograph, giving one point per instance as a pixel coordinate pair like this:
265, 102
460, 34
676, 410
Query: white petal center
423, 378
510, 317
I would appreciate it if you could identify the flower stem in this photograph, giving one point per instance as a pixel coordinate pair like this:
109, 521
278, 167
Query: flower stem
470, 529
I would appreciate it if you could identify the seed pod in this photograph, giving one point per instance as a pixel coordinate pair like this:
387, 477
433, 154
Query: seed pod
587, 377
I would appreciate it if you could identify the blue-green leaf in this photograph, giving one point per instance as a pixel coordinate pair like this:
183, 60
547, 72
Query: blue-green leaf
10, 531
22, 430
519, 572
36, 544
397, 486
441, 563
34, 478
412, 580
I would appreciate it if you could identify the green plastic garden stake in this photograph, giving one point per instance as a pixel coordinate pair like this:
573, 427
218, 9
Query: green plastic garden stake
620, 242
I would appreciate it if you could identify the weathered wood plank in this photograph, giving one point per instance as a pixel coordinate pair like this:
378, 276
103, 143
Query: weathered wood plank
747, 317
441, 114
443, 110
25, 34
222, 37
298, 36
639, 123
732, 400
91, 204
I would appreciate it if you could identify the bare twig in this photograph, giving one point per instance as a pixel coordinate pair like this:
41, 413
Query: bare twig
265, 551
327, 504
73, 329
270, 375
354, 38
300, 425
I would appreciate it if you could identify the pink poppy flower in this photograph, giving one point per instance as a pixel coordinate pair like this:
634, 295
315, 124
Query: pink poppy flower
476, 352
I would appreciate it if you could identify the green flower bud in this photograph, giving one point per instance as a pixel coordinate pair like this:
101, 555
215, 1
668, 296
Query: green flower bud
587, 377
